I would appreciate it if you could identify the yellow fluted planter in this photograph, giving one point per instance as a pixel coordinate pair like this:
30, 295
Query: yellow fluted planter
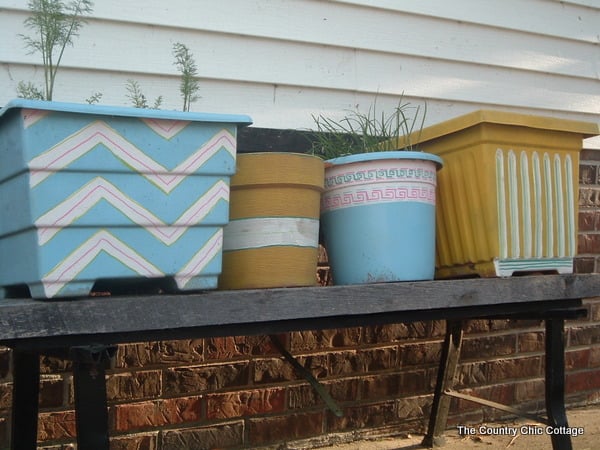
273, 233
508, 193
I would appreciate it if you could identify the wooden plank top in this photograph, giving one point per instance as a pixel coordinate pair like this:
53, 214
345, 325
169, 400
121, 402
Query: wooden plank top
126, 319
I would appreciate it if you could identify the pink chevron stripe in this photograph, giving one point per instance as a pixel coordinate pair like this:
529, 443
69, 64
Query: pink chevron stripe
68, 269
98, 137
86, 139
32, 116
99, 189
197, 159
200, 260
199, 210
167, 129
109, 246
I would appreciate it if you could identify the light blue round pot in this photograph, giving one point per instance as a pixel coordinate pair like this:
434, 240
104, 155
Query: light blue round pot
378, 216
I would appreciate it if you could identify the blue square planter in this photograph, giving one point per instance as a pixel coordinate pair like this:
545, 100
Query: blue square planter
89, 193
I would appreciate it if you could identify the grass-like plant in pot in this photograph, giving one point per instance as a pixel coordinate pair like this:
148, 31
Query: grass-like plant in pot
369, 132
378, 207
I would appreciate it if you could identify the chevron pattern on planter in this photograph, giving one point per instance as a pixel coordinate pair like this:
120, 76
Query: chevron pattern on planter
63, 154
96, 197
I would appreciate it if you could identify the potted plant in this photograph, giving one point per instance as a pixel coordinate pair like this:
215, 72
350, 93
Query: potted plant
92, 192
272, 237
508, 192
378, 207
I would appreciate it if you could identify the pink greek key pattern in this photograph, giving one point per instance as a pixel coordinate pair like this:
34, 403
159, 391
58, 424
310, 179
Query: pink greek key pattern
355, 197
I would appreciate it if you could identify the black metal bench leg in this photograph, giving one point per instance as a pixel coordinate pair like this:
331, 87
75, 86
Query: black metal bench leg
26, 386
89, 364
555, 382
445, 380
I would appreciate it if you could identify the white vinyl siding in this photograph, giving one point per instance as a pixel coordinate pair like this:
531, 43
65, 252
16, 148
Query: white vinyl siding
282, 60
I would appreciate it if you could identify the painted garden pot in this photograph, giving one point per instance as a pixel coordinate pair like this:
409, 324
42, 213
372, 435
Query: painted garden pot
90, 193
378, 216
273, 235
508, 193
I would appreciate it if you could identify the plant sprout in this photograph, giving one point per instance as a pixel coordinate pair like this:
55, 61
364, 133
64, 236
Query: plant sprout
94, 98
30, 91
184, 61
137, 97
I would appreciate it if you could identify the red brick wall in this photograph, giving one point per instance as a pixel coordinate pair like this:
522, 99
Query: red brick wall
589, 212
239, 392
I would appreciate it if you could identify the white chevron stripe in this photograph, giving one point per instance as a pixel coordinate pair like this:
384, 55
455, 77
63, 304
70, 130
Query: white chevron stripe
97, 133
78, 204
200, 260
32, 116
166, 128
102, 241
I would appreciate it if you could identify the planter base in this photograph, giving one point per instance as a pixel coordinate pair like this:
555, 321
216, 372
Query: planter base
507, 268
117, 286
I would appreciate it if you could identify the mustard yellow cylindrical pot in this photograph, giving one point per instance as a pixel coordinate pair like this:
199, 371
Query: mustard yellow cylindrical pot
273, 234
508, 193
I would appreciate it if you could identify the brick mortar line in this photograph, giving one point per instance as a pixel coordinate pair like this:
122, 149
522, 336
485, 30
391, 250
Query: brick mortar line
583, 370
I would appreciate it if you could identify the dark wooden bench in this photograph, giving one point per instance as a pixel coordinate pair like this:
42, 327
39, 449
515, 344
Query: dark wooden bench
87, 330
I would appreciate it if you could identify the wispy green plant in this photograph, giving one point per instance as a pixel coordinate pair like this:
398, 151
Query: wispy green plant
30, 91
94, 98
185, 63
137, 97
372, 131
54, 24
